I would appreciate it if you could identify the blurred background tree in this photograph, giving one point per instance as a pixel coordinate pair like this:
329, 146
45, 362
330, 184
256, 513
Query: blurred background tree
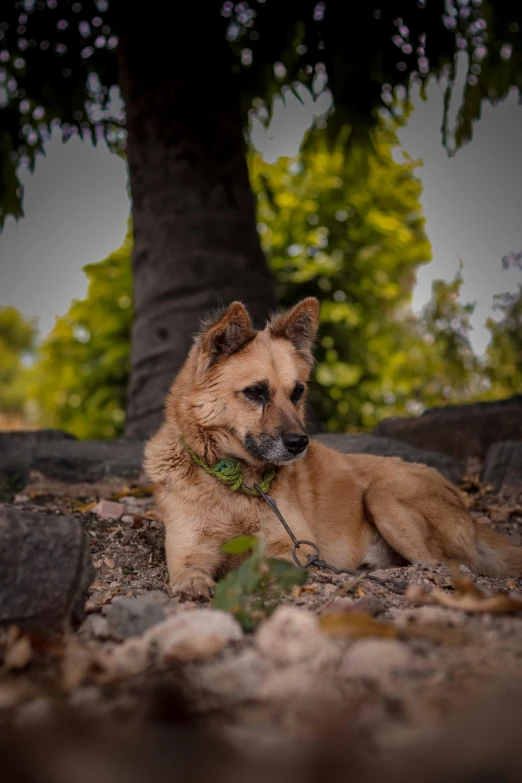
79, 381
504, 352
356, 244
17, 343
188, 86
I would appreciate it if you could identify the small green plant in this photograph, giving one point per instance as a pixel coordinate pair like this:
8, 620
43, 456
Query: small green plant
252, 591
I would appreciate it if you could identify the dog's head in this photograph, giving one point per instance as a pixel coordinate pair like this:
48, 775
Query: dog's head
248, 387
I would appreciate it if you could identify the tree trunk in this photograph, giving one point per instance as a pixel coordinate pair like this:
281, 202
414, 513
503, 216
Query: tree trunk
195, 239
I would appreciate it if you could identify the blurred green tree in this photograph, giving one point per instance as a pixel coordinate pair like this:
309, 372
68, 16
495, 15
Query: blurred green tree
356, 243
79, 382
17, 343
188, 85
504, 352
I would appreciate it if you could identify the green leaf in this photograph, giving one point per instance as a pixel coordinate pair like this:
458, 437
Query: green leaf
286, 575
239, 545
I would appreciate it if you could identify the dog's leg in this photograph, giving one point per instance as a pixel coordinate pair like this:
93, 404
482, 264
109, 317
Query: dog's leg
281, 548
192, 560
402, 526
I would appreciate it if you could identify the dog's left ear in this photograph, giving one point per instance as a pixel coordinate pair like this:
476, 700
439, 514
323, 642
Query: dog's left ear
227, 334
299, 325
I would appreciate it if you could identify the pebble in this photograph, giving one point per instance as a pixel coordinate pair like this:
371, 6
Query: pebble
108, 509
290, 635
133, 616
234, 680
194, 635
375, 659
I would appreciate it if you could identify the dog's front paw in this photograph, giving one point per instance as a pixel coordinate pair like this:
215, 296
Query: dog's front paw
194, 585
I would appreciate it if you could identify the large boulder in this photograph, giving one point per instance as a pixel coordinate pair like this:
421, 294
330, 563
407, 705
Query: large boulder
45, 570
56, 455
461, 431
451, 469
503, 469
73, 461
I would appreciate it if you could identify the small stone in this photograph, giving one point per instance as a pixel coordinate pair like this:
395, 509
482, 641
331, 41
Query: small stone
233, 680
108, 509
194, 635
128, 659
375, 659
95, 626
133, 616
127, 519
21, 498
290, 635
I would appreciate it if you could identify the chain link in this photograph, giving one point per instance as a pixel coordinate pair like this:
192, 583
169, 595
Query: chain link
314, 560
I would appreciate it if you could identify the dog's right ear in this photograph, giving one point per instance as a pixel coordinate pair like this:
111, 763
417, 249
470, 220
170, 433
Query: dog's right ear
226, 334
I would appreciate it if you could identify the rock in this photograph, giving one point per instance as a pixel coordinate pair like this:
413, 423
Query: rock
234, 680
95, 626
133, 616
30, 437
375, 659
370, 604
194, 635
450, 468
108, 509
59, 456
503, 468
127, 659
289, 636
45, 570
460, 431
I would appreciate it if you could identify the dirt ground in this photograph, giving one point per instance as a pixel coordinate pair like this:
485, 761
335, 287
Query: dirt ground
399, 664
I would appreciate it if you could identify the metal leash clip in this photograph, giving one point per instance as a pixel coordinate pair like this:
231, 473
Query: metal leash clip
314, 560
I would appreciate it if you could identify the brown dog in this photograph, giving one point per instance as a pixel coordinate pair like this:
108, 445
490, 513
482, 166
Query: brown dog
240, 394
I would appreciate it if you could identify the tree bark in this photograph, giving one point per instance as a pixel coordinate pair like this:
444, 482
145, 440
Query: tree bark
196, 245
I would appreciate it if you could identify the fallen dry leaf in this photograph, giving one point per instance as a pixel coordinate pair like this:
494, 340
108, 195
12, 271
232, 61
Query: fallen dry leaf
432, 632
463, 584
109, 562
19, 651
77, 662
298, 590
498, 603
136, 492
356, 626
351, 585
87, 507
97, 601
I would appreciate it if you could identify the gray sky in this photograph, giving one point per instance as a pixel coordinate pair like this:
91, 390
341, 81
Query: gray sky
76, 208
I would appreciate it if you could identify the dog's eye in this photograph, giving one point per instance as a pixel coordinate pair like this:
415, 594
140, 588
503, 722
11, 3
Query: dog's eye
253, 393
297, 393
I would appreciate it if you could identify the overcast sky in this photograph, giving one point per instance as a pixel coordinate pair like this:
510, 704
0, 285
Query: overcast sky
76, 208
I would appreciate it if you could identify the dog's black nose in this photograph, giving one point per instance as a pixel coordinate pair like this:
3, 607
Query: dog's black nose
295, 443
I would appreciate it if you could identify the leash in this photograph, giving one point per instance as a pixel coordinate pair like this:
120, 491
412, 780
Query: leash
229, 472
314, 560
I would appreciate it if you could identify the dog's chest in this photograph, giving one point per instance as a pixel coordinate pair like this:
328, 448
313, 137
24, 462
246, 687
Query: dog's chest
253, 518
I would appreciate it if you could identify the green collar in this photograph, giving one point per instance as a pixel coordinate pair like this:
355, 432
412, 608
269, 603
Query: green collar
229, 472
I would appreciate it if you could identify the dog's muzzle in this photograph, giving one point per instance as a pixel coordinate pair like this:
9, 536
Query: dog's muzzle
279, 448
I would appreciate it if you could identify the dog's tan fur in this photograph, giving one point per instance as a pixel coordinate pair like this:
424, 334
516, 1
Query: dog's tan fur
359, 509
